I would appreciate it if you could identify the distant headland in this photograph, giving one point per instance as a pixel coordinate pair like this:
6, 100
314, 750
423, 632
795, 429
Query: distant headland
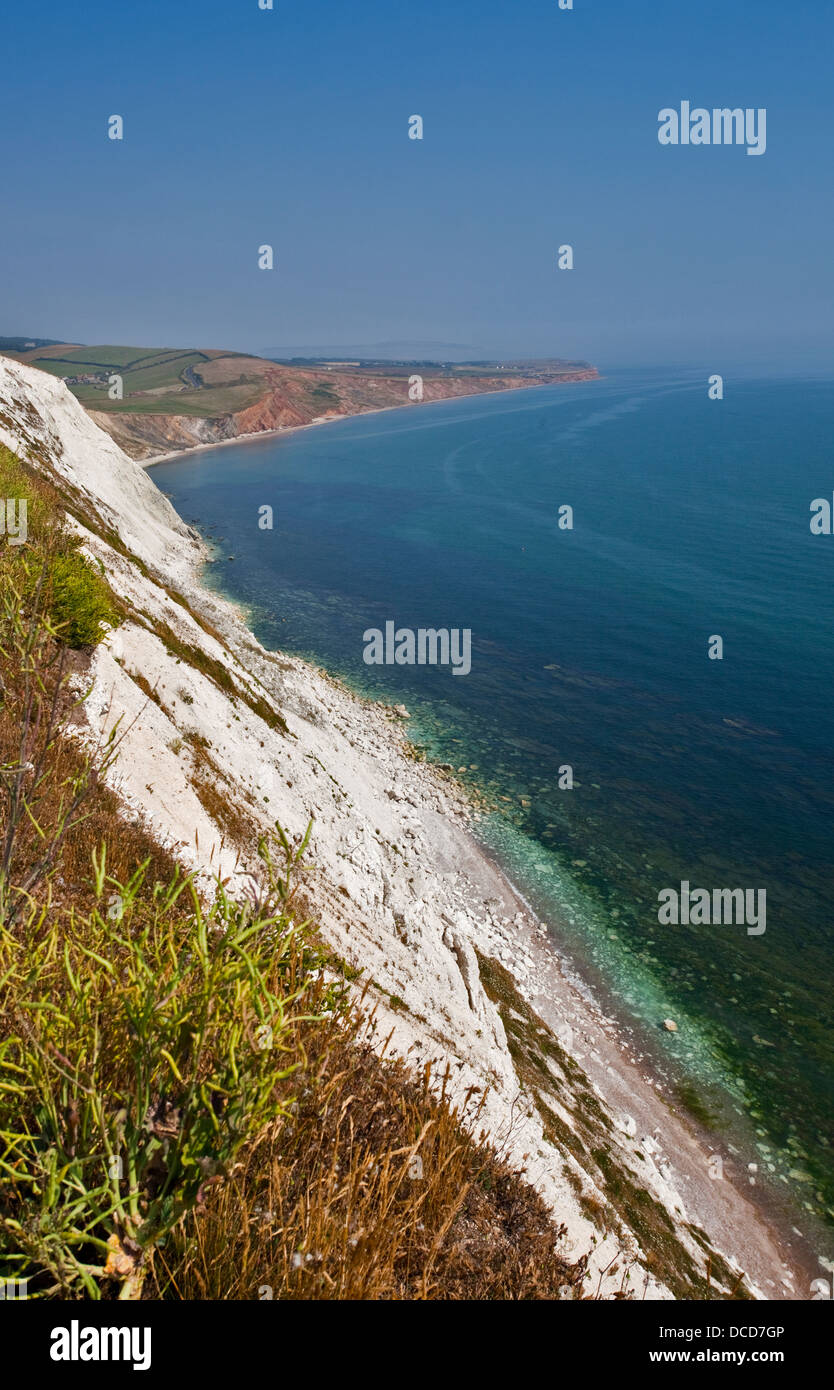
163, 400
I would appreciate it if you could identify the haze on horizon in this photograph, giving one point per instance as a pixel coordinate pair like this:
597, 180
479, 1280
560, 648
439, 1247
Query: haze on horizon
290, 127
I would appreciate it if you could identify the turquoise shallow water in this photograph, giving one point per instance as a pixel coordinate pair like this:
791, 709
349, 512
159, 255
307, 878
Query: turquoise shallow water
589, 648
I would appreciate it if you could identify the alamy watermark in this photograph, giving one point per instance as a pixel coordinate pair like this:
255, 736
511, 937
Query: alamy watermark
698, 907
427, 646
822, 514
720, 126
12, 1289
14, 520
77, 1343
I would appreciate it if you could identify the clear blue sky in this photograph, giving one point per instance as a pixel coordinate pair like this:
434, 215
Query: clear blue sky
245, 126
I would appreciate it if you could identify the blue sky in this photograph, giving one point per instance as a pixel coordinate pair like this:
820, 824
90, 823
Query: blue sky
290, 127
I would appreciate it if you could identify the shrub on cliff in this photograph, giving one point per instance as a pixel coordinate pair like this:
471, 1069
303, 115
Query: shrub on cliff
142, 1045
80, 600
45, 566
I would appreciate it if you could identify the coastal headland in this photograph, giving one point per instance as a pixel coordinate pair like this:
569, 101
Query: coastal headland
156, 401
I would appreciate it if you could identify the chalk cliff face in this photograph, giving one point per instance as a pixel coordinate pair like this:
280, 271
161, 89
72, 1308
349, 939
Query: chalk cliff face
459, 973
294, 396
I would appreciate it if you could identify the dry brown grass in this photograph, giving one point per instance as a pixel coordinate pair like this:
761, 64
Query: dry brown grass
220, 806
67, 765
374, 1189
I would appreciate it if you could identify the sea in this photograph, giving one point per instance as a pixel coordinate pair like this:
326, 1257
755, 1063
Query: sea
596, 539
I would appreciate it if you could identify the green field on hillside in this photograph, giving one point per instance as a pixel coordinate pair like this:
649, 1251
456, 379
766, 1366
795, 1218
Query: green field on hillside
163, 381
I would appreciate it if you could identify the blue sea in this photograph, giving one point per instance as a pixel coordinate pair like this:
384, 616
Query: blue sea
590, 650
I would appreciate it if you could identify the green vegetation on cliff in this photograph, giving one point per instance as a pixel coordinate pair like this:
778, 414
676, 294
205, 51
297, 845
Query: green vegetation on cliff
189, 1107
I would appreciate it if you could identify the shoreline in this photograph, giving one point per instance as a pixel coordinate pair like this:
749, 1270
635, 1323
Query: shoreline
755, 1224
622, 1067
755, 1229
282, 430
639, 1057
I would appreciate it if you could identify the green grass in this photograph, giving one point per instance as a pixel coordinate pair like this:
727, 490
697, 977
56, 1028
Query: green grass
141, 1053
71, 590
207, 404
149, 369
160, 372
77, 359
81, 601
